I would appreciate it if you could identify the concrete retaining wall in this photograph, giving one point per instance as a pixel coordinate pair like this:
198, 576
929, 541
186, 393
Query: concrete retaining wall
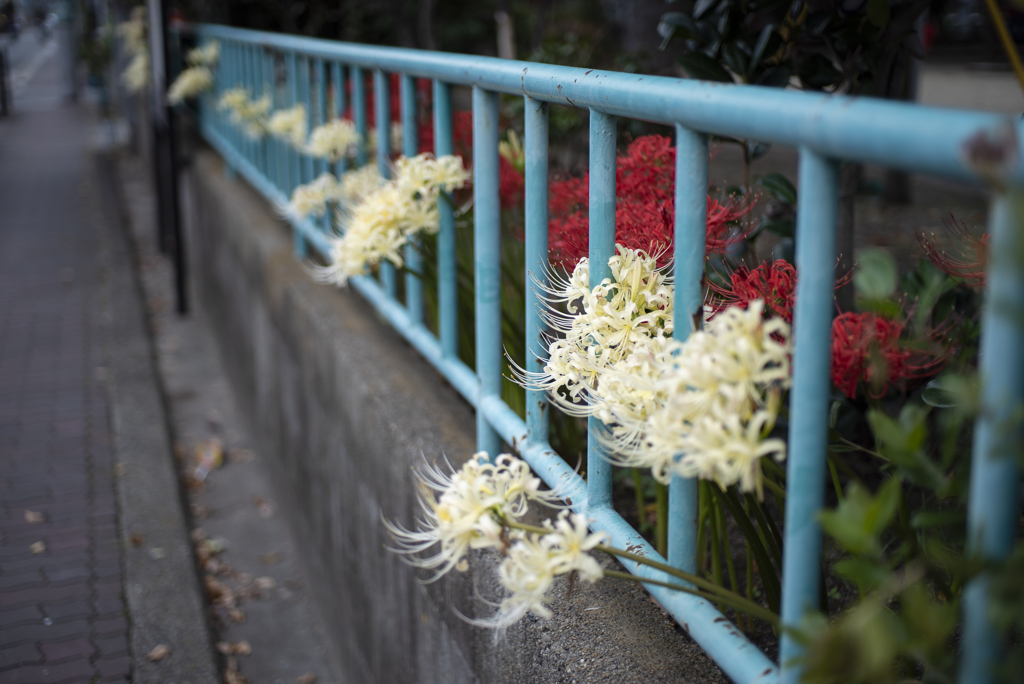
345, 410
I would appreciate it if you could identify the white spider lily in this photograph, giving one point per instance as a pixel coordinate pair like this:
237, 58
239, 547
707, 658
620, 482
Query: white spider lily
713, 399
134, 32
469, 512
290, 125
534, 560
333, 140
204, 56
387, 218
136, 75
311, 199
600, 326
190, 83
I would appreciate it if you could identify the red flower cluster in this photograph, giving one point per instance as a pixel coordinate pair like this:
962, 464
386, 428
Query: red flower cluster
866, 348
644, 210
970, 262
774, 282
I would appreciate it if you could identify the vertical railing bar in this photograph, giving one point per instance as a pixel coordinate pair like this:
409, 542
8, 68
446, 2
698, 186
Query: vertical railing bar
487, 261
413, 255
306, 97
321, 118
688, 265
320, 71
257, 90
280, 151
294, 162
250, 84
231, 133
602, 248
382, 115
338, 77
809, 398
267, 88
359, 112
992, 502
536, 220
447, 293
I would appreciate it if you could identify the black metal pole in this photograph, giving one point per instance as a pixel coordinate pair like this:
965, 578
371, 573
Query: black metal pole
172, 236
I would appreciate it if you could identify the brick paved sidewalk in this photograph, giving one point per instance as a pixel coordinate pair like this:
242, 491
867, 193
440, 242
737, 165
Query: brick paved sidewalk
61, 608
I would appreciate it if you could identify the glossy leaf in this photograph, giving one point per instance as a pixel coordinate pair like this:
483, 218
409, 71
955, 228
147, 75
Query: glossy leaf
779, 187
700, 66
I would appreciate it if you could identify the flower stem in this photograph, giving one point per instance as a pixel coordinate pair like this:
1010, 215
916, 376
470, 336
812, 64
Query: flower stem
661, 527
742, 605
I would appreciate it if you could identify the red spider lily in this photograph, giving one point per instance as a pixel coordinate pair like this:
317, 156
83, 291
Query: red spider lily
866, 348
647, 224
645, 207
969, 263
774, 282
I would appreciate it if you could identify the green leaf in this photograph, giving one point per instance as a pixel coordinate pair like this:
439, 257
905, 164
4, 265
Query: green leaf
816, 71
761, 46
876, 275
879, 12
858, 522
701, 7
756, 150
938, 519
673, 24
701, 67
779, 187
776, 77
735, 58
938, 395
784, 229
867, 575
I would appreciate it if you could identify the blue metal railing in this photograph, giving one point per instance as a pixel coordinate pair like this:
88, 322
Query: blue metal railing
826, 129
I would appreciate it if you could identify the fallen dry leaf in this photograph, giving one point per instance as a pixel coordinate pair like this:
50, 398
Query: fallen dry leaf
234, 677
240, 648
307, 678
209, 456
265, 507
38, 547
199, 511
236, 615
34, 517
158, 653
265, 583
198, 535
272, 558
240, 456
136, 539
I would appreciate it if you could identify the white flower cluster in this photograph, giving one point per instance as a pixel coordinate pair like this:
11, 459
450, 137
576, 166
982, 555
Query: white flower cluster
470, 512
290, 125
385, 220
311, 199
250, 114
471, 509
190, 83
198, 77
204, 56
620, 322
714, 401
133, 32
333, 140
534, 560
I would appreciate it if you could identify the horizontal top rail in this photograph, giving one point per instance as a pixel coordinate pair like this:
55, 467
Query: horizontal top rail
893, 134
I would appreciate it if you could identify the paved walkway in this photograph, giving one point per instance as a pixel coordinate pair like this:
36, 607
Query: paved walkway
61, 607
